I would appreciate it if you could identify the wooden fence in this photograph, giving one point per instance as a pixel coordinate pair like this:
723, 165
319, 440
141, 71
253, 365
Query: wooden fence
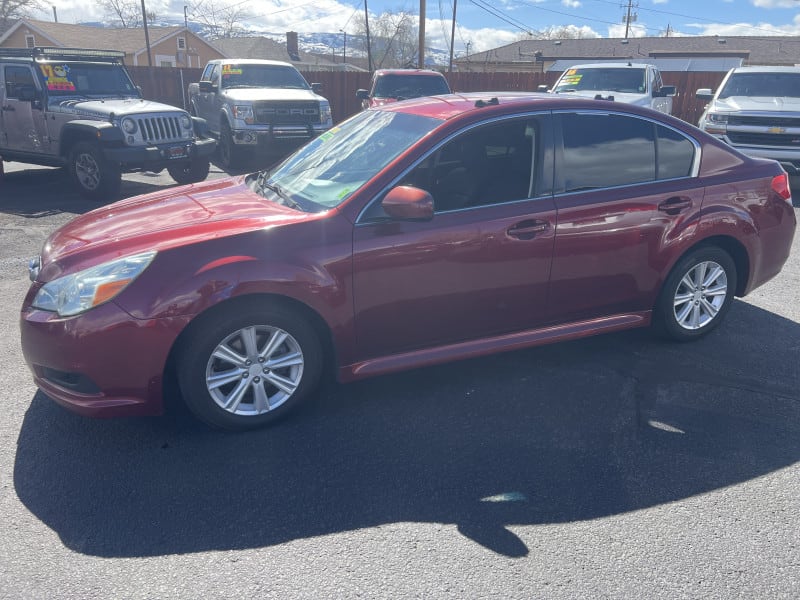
167, 84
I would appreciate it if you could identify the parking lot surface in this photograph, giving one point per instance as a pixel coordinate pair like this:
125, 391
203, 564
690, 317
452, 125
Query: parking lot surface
618, 466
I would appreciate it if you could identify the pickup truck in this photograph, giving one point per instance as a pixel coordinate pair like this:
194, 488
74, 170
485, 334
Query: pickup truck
631, 83
78, 108
757, 111
258, 107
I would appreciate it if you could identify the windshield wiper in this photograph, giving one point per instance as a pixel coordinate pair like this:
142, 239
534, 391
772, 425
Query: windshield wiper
286, 200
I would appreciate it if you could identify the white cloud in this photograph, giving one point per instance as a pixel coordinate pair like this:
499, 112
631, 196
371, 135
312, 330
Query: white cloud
571, 3
747, 28
776, 3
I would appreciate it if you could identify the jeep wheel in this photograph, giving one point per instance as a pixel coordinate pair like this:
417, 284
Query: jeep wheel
229, 154
96, 178
190, 172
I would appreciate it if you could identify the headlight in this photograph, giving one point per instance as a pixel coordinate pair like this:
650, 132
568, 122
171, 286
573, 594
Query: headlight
81, 291
129, 126
717, 118
244, 112
186, 122
325, 115
716, 123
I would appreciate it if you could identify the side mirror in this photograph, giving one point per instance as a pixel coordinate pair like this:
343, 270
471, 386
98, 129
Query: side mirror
362, 94
316, 88
206, 87
541, 88
704, 94
666, 91
408, 203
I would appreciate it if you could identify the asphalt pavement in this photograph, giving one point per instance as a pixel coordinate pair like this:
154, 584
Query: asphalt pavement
619, 466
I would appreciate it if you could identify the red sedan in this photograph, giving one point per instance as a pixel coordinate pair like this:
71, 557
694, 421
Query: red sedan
420, 232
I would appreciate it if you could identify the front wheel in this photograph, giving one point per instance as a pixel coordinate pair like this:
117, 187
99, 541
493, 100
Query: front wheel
95, 176
248, 368
191, 172
697, 294
229, 155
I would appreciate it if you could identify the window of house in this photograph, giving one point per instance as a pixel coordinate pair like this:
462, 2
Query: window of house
30, 41
181, 43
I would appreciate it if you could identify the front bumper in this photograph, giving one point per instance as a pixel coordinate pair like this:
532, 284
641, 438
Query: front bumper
158, 157
103, 363
275, 134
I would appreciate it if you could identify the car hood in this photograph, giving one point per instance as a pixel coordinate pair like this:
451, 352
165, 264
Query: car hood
256, 94
757, 103
106, 108
160, 221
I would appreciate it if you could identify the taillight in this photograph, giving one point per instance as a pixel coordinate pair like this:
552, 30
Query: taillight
780, 185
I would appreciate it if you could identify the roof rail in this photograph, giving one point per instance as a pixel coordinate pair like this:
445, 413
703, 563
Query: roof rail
58, 53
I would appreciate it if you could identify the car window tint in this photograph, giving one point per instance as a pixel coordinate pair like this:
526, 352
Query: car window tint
15, 78
675, 154
602, 150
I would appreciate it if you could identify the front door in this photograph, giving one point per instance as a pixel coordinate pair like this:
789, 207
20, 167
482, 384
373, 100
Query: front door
481, 266
22, 119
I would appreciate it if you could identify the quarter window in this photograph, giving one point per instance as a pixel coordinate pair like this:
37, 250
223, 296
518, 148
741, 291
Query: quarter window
675, 154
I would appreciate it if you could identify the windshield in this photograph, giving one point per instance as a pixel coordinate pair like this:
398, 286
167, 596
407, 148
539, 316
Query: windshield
409, 86
102, 79
774, 85
329, 169
624, 80
273, 76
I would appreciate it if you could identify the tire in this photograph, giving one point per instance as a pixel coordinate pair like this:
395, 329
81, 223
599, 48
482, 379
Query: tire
229, 155
230, 386
191, 172
697, 294
96, 178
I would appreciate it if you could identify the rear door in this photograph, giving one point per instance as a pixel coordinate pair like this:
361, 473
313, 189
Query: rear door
628, 200
22, 120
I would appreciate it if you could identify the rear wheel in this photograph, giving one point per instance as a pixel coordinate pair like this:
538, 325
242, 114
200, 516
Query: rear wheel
95, 176
697, 294
248, 368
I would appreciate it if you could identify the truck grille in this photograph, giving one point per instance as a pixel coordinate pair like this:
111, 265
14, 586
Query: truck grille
157, 129
765, 139
286, 113
765, 121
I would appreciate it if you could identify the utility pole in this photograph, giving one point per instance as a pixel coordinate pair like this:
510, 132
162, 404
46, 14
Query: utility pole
344, 48
366, 23
146, 36
630, 18
421, 34
452, 36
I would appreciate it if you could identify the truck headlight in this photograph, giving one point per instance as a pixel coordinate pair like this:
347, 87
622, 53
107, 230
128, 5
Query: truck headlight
244, 112
325, 115
716, 123
129, 126
77, 293
186, 122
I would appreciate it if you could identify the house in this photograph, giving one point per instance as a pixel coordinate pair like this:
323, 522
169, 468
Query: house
267, 48
539, 55
169, 46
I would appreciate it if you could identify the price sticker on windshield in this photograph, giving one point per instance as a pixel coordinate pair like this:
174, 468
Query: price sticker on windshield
56, 78
228, 70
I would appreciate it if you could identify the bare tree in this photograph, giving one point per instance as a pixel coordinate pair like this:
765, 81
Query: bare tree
220, 20
562, 32
394, 39
11, 10
125, 13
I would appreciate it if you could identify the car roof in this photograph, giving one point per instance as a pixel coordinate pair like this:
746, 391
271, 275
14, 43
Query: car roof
449, 106
611, 65
766, 69
428, 72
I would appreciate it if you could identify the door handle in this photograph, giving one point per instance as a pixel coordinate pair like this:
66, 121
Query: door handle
675, 205
9, 108
527, 230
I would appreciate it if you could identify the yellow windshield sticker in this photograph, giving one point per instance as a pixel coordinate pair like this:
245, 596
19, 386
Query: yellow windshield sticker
56, 78
228, 70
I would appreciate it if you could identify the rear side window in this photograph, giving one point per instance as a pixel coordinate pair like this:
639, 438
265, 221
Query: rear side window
606, 150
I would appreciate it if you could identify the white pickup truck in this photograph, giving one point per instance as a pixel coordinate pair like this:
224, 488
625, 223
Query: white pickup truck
631, 83
258, 107
757, 111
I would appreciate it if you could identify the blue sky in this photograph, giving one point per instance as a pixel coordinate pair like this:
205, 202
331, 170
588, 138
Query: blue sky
485, 24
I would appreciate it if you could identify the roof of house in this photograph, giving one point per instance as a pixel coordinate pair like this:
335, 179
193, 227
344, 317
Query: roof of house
129, 40
768, 50
266, 48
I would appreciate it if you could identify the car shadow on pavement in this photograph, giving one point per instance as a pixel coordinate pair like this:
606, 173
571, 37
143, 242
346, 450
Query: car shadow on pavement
42, 191
561, 433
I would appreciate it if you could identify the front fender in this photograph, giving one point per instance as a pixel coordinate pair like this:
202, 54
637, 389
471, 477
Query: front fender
87, 130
